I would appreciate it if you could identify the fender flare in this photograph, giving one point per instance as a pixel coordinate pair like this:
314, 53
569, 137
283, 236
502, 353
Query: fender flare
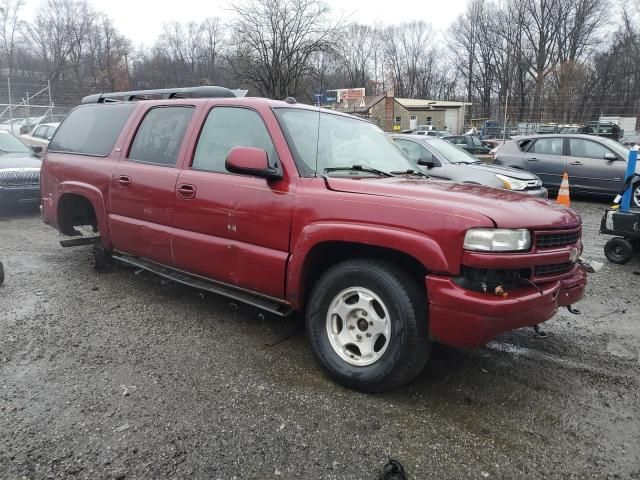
95, 196
419, 246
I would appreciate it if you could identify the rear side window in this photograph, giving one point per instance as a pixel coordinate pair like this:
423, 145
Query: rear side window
160, 135
228, 127
91, 129
548, 146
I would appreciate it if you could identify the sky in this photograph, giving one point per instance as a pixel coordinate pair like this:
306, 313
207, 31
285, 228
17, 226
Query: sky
141, 20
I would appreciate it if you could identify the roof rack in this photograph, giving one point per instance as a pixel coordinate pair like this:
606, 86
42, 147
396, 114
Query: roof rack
161, 94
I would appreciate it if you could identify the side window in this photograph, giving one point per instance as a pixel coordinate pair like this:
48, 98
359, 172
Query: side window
459, 140
414, 151
92, 129
548, 146
39, 132
160, 135
587, 149
228, 127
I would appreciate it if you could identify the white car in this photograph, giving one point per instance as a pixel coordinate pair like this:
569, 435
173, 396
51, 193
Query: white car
40, 135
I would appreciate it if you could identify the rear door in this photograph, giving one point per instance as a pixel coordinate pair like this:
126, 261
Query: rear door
545, 157
143, 184
233, 228
589, 171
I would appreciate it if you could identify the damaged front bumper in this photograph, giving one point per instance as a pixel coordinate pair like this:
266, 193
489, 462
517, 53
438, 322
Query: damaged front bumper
464, 318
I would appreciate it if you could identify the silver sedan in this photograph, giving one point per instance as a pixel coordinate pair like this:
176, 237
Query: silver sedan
443, 160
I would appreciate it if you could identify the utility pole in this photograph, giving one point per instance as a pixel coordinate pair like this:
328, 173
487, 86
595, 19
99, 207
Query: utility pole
50, 101
10, 103
504, 125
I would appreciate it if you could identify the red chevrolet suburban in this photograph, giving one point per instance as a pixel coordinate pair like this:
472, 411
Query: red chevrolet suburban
292, 208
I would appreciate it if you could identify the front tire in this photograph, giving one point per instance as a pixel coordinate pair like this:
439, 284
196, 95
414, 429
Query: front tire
618, 250
367, 324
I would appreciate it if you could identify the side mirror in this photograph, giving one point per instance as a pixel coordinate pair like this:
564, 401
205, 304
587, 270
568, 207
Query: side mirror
611, 157
251, 161
36, 148
427, 162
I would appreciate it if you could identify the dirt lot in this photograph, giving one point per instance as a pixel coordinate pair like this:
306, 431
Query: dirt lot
123, 375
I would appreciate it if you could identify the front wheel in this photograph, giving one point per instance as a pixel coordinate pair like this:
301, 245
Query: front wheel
618, 250
367, 324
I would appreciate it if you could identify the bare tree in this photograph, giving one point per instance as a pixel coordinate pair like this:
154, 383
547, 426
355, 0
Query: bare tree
274, 41
9, 29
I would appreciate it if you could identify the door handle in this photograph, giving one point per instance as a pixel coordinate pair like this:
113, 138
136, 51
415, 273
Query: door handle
576, 163
124, 181
532, 159
186, 191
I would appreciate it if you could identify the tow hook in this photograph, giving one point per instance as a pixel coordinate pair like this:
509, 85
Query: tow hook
575, 311
540, 333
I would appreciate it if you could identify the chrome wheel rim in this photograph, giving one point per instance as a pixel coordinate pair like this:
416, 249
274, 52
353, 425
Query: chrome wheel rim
358, 326
636, 197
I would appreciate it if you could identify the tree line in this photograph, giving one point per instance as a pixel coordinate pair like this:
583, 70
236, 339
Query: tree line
531, 60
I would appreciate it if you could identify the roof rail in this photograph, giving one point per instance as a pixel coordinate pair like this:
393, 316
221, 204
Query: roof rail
163, 93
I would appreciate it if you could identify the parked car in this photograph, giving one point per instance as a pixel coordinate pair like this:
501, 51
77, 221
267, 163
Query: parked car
19, 171
596, 165
439, 159
631, 140
432, 133
471, 143
547, 128
291, 208
603, 129
40, 135
15, 125
35, 121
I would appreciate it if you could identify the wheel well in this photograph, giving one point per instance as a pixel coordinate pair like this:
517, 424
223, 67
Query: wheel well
327, 254
75, 211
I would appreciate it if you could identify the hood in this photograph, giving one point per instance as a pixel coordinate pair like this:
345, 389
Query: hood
507, 171
506, 209
19, 160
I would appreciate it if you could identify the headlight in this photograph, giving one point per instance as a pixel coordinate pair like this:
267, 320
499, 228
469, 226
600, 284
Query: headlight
512, 183
497, 240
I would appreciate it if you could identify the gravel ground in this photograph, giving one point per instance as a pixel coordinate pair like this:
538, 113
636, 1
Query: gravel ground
123, 375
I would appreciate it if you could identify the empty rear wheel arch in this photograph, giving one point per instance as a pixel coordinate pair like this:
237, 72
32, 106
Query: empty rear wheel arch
74, 211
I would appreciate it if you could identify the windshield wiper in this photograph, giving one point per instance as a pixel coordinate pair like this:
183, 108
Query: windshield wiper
410, 172
358, 168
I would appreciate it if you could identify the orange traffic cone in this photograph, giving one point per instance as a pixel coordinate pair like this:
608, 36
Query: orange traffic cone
563, 193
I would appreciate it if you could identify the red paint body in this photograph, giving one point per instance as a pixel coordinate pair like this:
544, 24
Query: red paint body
257, 234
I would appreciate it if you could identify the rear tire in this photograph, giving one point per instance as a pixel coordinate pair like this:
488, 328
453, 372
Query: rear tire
367, 324
618, 250
1, 273
100, 259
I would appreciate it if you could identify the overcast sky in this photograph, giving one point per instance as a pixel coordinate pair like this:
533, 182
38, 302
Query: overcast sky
141, 20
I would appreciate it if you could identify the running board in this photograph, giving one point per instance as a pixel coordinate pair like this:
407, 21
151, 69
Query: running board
77, 241
206, 284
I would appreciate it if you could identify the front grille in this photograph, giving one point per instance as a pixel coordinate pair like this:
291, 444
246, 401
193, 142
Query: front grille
15, 177
553, 240
555, 269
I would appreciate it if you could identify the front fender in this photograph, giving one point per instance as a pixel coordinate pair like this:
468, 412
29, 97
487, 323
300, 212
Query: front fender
420, 246
95, 196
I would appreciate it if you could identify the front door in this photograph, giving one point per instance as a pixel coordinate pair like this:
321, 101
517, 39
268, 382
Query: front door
413, 122
143, 185
545, 157
229, 227
589, 171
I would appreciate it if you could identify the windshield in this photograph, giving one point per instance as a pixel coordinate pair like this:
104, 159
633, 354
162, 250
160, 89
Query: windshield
10, 144
450, 152
337, 142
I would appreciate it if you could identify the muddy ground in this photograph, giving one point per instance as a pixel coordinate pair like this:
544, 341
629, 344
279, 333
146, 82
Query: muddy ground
123, 375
